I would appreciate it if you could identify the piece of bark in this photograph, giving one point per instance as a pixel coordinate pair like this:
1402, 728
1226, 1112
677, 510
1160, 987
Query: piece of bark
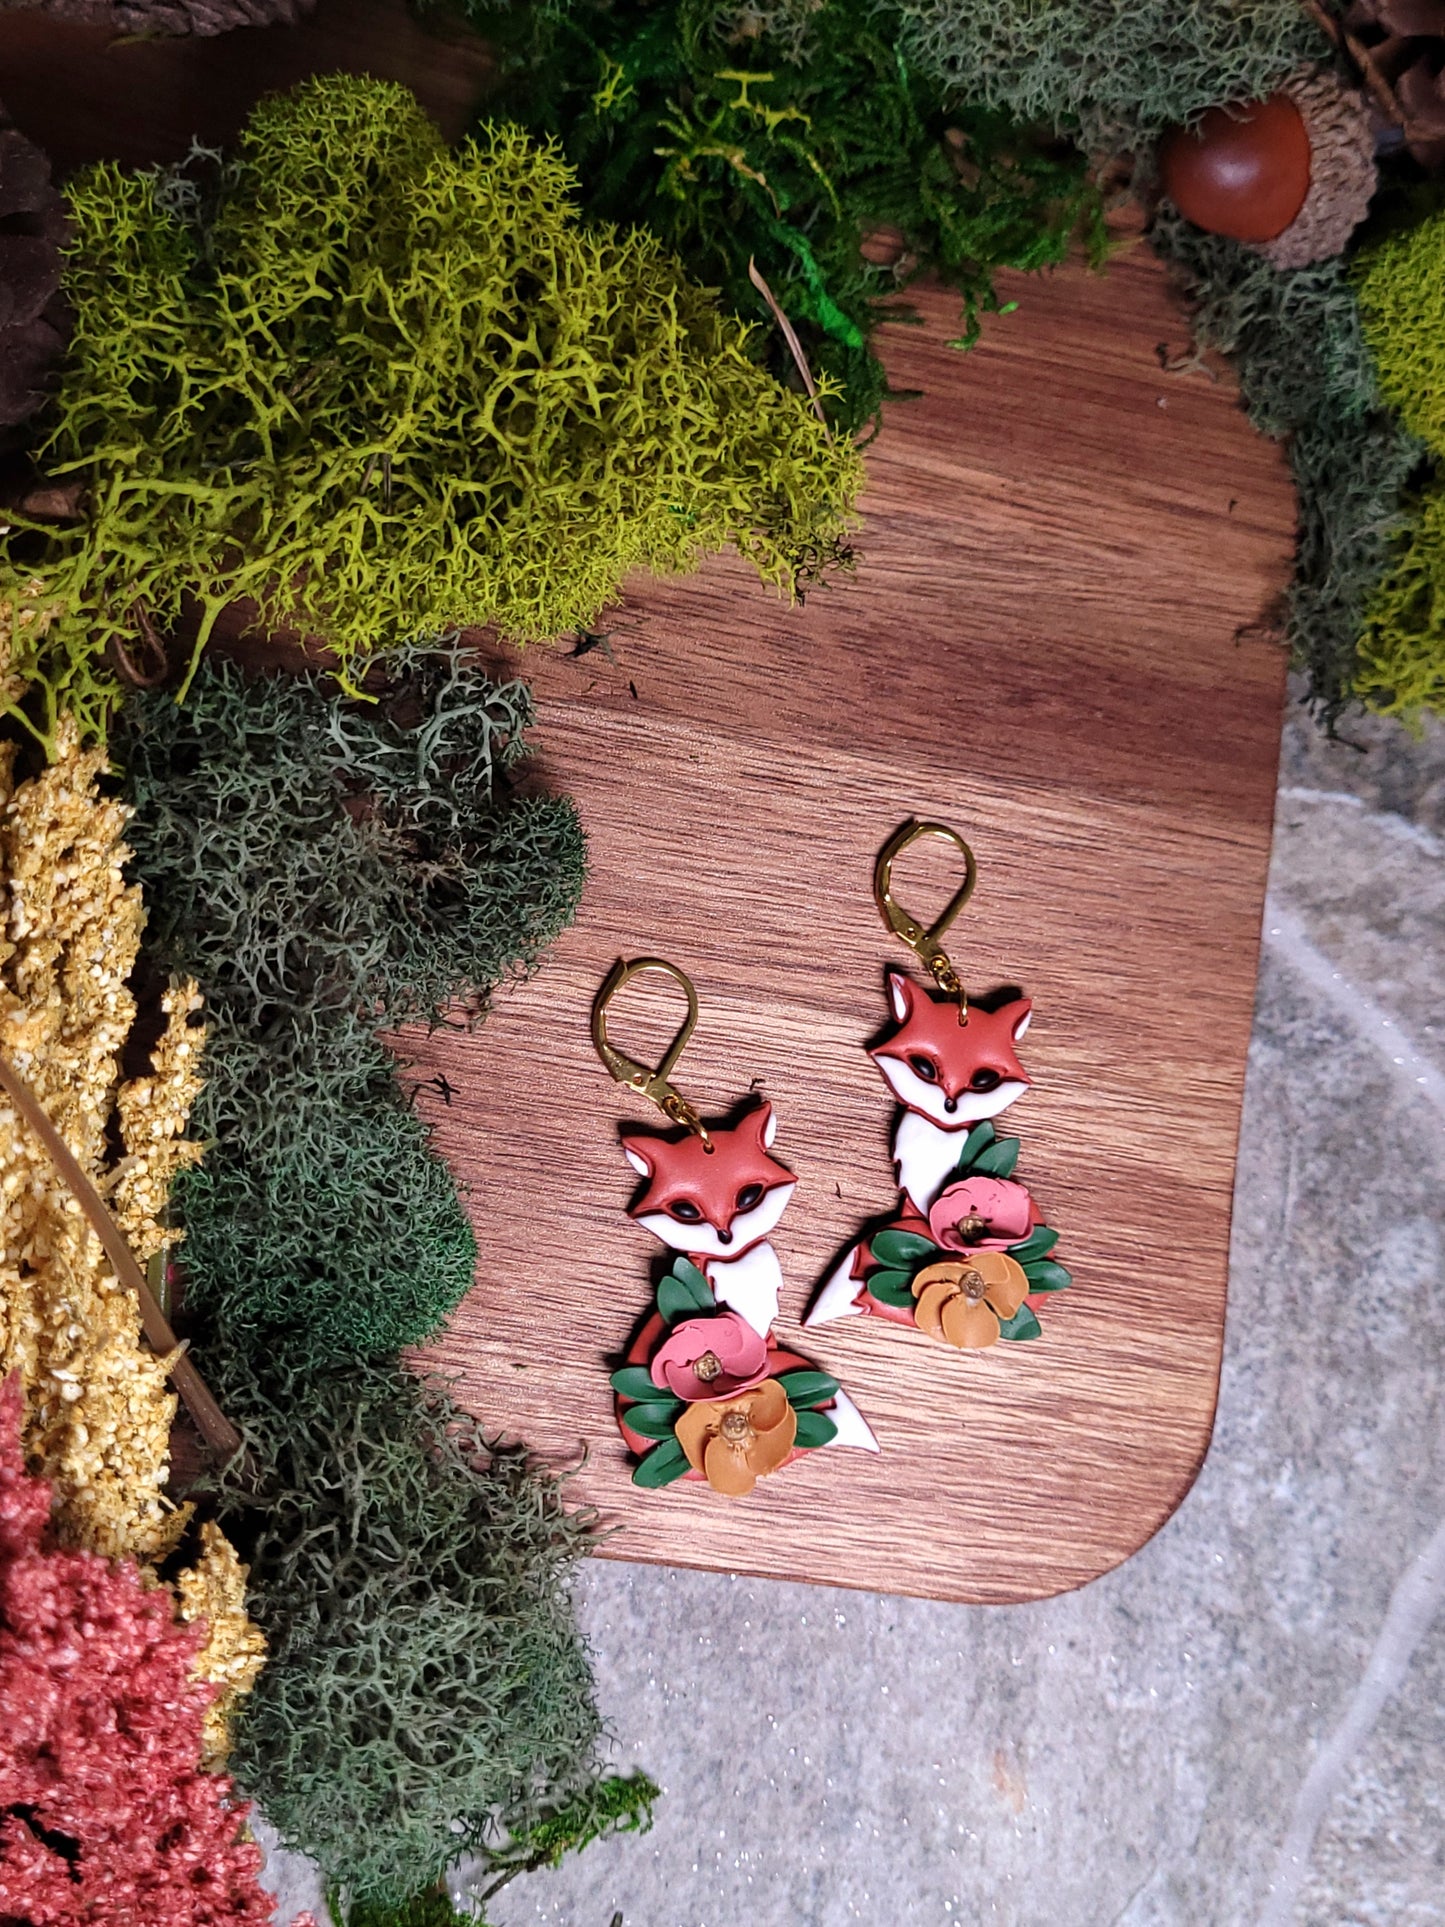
34, 321
203, 17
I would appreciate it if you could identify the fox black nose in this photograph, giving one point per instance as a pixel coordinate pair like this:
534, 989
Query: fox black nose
725, 1237
950, 1104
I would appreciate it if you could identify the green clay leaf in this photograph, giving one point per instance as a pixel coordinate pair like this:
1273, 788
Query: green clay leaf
999, 1159
978, 1140
635, 1381
687, 1273
1038, 1244
663, 1464
808, 1388
890, 1287
1044, 1275
1022, 1325
677, 1299
814, 1429
652, 1421
898, 1249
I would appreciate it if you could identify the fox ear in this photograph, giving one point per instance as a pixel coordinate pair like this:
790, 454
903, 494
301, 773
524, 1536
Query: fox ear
765, 1123
634, 1149
900, 995
1025, 1016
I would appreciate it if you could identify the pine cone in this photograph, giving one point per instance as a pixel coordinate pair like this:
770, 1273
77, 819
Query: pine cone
34, 322
1400, 46
175, 16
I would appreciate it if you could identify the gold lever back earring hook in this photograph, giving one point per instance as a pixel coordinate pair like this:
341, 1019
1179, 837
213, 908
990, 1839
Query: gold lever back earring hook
926, 943
654, 1084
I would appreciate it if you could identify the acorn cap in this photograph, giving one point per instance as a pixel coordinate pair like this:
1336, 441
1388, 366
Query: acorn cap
1342, 169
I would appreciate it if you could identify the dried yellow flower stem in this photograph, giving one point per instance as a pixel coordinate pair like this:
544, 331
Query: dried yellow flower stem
234, 1651
98, 1409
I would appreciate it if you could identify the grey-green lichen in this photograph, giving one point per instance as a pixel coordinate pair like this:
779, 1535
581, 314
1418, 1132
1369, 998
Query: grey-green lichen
1113, 71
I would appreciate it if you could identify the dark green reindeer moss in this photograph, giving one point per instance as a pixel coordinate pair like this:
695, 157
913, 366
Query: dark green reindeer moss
426, 1694
385, 389
328, 868
744, 137
1308, 379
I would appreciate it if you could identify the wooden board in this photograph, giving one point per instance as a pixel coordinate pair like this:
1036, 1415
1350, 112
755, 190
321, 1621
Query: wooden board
1041, 645
1048, 644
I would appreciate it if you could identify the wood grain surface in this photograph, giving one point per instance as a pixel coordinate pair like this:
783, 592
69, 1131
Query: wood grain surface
1051, 643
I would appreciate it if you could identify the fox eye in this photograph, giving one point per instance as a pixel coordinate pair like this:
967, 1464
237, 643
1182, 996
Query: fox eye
985, 1081
925, 1067
749, 1196
685, 1209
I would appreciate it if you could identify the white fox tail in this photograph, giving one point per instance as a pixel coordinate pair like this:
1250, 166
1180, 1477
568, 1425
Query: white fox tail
836, 1299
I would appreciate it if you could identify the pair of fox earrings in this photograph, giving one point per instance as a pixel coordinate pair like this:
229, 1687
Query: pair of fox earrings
706, 1390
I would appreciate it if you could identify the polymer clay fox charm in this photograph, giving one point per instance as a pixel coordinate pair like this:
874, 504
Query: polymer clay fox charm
967, 1250
706, 1391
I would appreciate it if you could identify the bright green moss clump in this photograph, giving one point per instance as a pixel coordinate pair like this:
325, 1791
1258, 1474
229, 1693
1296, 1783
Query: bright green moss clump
1401, 282
386, 389
784, 138
1402, 650
1402, 298
325, 869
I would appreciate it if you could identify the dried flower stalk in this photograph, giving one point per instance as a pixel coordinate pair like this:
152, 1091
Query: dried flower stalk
98, 1409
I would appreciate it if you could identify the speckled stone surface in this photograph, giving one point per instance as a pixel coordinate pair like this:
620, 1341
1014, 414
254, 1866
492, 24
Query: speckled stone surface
1243, 1724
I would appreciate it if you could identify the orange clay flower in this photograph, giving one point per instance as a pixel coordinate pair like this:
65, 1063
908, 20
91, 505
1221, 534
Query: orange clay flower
963, 1300
735, 1442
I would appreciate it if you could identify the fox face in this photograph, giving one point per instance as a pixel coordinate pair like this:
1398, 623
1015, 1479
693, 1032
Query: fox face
953, 1074
714, 1204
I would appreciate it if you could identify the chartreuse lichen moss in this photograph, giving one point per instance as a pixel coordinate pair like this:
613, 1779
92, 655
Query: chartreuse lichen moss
780, 139
384, 388
324, 869
1402, 298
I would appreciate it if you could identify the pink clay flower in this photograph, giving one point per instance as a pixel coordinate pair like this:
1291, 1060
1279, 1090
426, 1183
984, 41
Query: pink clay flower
715, 1357
981, 1214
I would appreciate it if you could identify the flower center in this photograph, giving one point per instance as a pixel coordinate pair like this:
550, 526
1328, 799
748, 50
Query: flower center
736, 1428
971, 1227
974, 1286
708, 1367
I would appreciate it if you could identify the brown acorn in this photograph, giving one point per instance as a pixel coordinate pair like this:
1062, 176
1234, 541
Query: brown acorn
1223, 183
1242, 170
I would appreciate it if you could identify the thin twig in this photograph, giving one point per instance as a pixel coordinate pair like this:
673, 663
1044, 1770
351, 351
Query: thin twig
160, 668
795, 347
214, 1426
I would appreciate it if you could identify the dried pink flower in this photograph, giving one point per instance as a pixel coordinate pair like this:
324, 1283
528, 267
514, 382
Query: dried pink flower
105, 1814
